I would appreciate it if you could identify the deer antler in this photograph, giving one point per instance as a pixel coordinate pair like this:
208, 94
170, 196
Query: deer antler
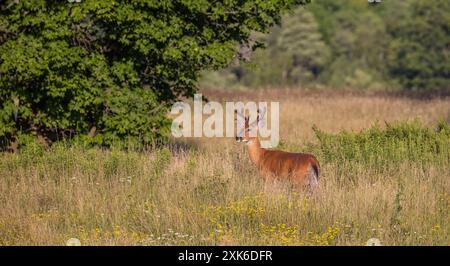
240, 113
260, 118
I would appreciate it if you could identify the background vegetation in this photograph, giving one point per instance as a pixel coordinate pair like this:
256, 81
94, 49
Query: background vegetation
351, 44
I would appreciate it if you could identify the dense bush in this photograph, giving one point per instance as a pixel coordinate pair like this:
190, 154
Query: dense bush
107, 70
382, 148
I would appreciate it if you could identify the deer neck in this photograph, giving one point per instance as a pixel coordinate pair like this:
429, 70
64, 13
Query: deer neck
255, 151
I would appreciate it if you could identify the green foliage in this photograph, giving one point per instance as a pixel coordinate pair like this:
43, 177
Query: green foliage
107, 70
381, 149
358, 42
295, 53
301, 45
350, 43
419, 53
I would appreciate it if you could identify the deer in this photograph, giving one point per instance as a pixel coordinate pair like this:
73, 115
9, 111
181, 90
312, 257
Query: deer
300, 169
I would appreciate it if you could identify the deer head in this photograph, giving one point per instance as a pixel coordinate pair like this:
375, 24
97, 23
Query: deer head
249, 134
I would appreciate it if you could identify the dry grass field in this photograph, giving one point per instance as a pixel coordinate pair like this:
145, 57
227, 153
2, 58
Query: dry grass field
206, 192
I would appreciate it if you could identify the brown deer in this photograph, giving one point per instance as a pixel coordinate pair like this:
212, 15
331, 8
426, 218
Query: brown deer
301, 169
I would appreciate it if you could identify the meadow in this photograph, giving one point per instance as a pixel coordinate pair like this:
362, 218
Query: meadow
385, 173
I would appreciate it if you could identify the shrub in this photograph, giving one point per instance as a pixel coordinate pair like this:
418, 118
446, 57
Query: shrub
380, 148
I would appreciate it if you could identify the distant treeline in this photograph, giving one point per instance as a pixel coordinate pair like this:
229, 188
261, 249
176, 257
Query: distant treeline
350, 44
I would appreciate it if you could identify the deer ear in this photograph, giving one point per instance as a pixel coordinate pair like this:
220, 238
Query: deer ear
239, 113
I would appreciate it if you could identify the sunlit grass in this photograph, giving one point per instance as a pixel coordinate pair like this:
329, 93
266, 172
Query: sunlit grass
373, 185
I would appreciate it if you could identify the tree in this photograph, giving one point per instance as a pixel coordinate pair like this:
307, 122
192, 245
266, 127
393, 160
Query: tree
420, 52
358, 42
295, 54
107, 70
300, 43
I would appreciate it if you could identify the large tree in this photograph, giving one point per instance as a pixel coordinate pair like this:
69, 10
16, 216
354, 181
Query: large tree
108, 69
300, 45
420, 52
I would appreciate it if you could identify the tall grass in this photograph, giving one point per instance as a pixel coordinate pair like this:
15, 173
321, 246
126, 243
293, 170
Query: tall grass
391, 182
167, 197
